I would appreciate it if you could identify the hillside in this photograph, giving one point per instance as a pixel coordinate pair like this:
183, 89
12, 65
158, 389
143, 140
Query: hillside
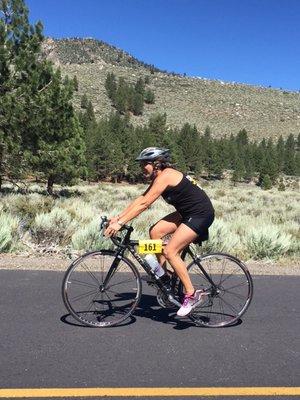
225, 107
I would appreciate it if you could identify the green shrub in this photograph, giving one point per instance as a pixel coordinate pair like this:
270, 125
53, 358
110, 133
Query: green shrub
80, 211
281, 186
267, 242
26, 207
88, 238
53, 228
221, 239
8, 232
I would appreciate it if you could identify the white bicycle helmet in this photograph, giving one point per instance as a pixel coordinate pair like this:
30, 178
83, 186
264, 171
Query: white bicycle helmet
154, 154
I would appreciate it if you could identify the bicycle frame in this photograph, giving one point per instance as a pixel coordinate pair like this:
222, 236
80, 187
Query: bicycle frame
130, 245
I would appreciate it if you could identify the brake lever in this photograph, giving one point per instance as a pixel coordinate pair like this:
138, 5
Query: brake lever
103, 224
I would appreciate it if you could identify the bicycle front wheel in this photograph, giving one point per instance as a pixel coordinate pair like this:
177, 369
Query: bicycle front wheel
100, 289
228, 286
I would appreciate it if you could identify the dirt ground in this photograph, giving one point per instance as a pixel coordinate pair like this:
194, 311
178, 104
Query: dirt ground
59, 263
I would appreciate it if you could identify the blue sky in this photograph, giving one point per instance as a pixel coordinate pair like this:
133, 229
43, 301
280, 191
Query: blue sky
250, 41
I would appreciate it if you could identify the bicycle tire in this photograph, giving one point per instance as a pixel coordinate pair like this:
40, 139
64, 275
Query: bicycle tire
233, 282
107, 306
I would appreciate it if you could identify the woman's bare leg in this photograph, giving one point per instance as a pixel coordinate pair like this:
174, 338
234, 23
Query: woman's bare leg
182, 237
163, 227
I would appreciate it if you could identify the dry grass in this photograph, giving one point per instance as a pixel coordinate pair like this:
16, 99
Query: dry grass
250, 223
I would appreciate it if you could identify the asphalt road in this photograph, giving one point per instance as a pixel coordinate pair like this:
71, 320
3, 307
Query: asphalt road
43, 347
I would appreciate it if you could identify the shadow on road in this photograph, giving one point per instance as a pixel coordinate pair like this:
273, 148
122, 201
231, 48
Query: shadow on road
149, 308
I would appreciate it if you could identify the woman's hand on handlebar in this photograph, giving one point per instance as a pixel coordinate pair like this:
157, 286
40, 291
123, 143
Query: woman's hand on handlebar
112, 229
113, 219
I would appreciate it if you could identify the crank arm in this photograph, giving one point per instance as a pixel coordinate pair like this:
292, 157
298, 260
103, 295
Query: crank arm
174, 301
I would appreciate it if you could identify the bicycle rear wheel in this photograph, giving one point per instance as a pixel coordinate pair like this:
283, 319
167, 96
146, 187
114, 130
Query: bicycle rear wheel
228, 286
100, 289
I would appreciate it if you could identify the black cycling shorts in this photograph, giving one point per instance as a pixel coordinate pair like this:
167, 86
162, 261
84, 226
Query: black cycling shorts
199, 224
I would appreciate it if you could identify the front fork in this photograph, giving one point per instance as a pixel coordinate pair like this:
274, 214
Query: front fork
112, 269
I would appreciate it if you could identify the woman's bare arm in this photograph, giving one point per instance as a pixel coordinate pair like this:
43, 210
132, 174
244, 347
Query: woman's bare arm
144, 201
130, 206
135, 202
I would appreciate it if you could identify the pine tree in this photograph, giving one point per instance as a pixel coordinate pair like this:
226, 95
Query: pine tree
280, 153
207, 133
189, 144
38, 115
217, 162
242, 138
137, 104
273, 161
249, 169
22, 76
157, 127
106, 156
297, 163
172, 142
111, 85
75, 83
289, 156
131, 150
235, 177
87, 118
239, 170
57, 150
224, 152
122, 96
84, 101
140, 87
266, 183
149, 97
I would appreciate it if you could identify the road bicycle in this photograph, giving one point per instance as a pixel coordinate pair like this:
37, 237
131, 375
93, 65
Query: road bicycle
103, 288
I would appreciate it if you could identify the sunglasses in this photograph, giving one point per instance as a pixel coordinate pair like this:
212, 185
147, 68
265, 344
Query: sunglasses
144, 163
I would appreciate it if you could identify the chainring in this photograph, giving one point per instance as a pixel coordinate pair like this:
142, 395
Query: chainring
162, 300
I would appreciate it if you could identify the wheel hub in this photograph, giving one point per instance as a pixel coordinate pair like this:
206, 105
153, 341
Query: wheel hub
101, 288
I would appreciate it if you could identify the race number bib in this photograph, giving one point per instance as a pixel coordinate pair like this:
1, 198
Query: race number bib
150, 246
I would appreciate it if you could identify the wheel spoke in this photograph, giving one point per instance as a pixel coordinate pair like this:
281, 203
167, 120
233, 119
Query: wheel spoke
201, 273
110, 300
91, 305
221, 307
90, 273
223, 269
239, 284
83, 295
239, 296
77, 282
119, 283
229, 305
227, 277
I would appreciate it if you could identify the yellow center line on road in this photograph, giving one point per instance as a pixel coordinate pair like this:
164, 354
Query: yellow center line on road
150, 392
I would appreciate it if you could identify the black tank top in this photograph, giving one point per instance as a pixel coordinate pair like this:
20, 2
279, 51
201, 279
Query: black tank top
188, 198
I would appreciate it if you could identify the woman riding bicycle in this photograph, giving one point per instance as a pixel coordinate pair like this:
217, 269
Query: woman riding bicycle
189, 223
